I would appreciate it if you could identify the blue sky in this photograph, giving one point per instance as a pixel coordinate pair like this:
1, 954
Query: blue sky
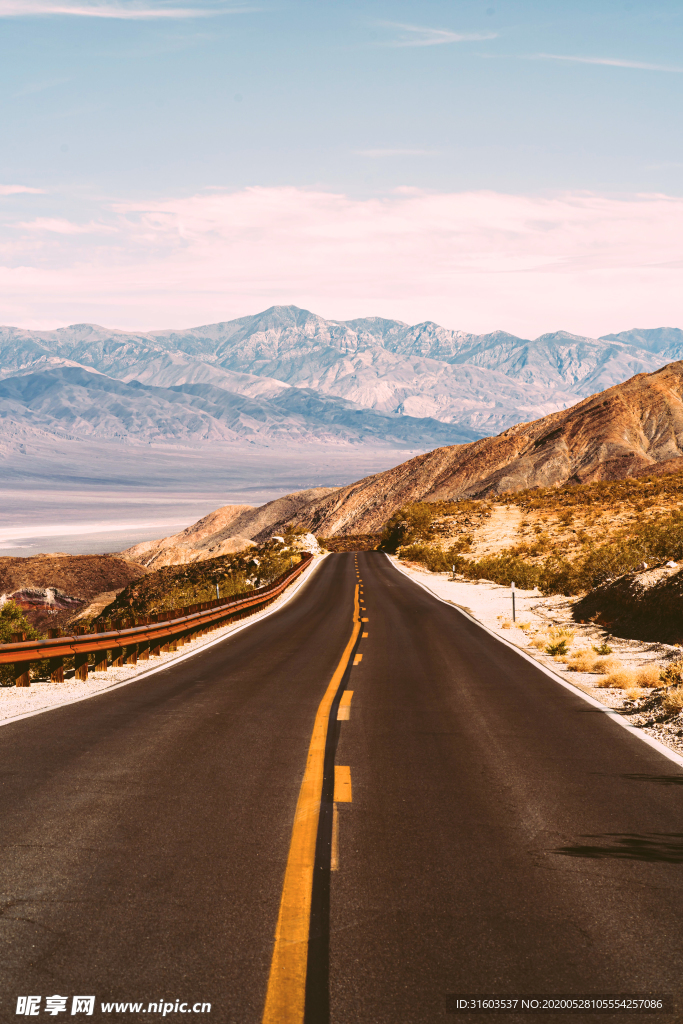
110, 104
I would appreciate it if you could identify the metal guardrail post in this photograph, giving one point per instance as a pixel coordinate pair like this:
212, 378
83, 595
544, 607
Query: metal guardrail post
56, 665
100, 664
81, 660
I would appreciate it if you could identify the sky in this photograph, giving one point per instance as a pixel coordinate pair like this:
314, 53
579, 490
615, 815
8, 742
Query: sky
485, 164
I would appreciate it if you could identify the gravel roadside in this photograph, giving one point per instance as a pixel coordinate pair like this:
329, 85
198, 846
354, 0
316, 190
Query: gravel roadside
536, 615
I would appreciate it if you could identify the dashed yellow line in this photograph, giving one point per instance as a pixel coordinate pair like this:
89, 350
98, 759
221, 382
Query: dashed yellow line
344, 712
342, 784
285, 997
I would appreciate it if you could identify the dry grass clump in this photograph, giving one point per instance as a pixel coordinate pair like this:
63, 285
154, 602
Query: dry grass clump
609, 664
505, 624
634, 693
673, 701
648, 676
540, 641
620, 679
583, 660
560, 639
523, 625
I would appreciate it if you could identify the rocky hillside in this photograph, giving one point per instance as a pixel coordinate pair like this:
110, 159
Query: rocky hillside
227, 530
627, 431
482, 383
52, 589
617, 433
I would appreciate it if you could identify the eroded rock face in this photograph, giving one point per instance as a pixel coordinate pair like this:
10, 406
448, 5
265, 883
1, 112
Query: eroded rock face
49, 599
52, 589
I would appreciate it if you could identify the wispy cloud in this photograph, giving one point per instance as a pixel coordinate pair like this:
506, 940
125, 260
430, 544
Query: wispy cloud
130, 12
61, 226
376, 153
473, 260
614, 62
419, 35
14, 190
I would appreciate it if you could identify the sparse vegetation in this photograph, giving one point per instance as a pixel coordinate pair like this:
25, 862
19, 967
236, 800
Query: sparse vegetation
672, 702
572, 538
12, 620
648, 676
176, 586
672, 675
352, 542
621, 678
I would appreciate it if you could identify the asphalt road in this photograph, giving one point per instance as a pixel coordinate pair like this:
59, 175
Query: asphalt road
504, 837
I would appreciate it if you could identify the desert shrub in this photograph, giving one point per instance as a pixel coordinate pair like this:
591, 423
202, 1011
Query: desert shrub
607, 665
673, 701
12, 620
620, 678
672, 675
409, 524
431, 557
648, 676
602, 649
634, 693
582, 661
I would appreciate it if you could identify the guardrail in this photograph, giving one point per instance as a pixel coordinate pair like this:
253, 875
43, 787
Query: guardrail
144, 638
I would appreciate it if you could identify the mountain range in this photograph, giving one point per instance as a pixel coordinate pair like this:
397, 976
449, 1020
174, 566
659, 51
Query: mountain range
480, 384
630, 429
287, 380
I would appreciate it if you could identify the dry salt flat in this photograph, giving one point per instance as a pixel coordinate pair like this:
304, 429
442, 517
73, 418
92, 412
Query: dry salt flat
19, 702
537, 616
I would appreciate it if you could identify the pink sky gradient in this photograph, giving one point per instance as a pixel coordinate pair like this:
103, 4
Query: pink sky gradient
478, 261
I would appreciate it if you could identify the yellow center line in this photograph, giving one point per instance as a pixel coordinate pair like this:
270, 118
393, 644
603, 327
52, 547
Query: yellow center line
285, 998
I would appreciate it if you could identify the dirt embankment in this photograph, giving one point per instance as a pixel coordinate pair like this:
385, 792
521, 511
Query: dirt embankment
643, 605
53, 589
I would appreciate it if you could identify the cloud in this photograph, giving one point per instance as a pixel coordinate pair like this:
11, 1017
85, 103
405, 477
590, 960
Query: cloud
61, 226
613, 62
24, 8
374, 153
417, 35
13, 190
586, 263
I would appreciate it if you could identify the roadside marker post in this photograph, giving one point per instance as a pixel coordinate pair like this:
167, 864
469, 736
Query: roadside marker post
512, 587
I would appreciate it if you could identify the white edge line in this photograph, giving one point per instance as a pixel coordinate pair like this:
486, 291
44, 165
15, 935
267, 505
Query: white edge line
650, 740
257, 617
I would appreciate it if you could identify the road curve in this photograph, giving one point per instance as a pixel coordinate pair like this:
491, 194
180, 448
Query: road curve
503, 836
